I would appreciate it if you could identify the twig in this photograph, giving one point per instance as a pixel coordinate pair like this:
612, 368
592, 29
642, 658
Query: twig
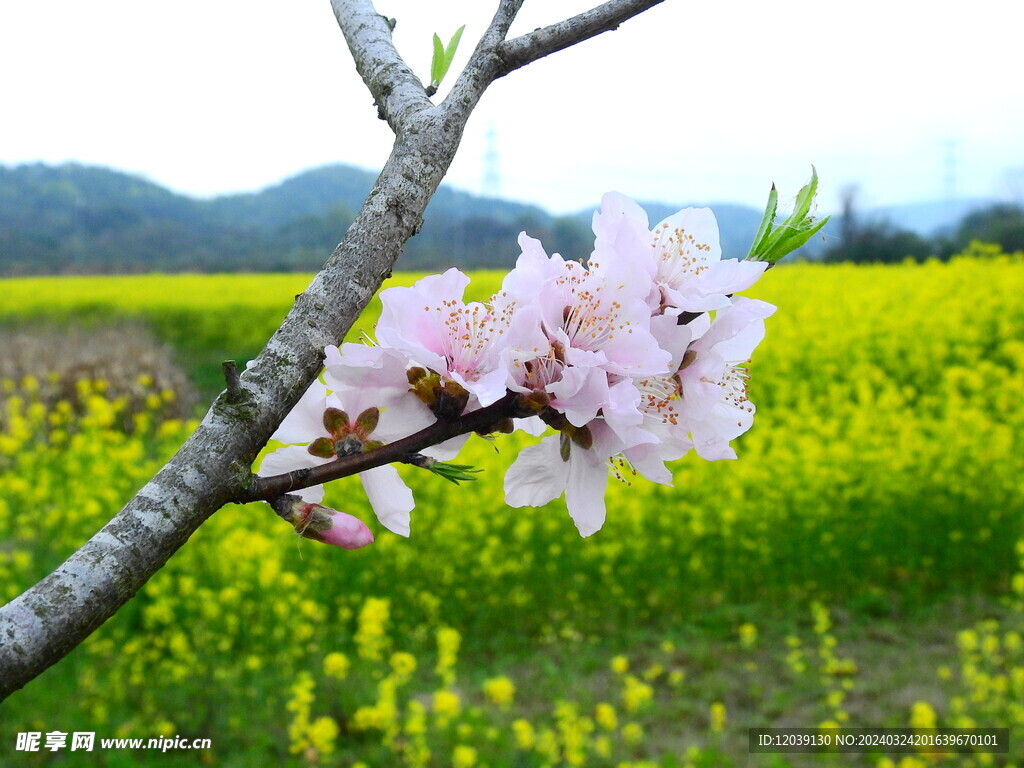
235, 393
483, 420
527, 48
397, 91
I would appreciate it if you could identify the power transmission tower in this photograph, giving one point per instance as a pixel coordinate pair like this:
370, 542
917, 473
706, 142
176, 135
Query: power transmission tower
951, 162
491, 186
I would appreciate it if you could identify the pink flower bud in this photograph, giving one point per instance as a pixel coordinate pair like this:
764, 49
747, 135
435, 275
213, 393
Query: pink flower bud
346, 531
321, 523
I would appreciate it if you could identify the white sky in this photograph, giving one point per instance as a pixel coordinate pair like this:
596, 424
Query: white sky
690, 102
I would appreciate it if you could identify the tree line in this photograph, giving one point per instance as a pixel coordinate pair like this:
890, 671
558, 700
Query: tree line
857, 238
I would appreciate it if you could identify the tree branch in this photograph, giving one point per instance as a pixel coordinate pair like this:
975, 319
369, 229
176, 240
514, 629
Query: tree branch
483, 420
527, 48
46, 622
484, 66
397, 91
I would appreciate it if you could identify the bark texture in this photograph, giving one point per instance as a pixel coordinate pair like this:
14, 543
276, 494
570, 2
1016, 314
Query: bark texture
46, 622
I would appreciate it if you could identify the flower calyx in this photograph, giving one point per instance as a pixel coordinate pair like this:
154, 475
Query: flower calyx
347, 437
446, 399
570, 433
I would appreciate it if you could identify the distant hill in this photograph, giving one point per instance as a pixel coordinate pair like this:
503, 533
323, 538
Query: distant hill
73, 219
77, 219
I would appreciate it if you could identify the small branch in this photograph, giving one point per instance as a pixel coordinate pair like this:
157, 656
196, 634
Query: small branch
480, 420
535, 45
483, 66
396, 90
233, 381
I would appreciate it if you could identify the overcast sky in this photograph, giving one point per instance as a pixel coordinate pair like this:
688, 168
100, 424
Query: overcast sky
690, 102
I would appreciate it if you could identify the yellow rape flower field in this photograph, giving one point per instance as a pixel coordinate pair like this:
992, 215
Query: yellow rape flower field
860, 565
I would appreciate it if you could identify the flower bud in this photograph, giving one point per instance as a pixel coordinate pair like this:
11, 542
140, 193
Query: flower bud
423, 384
451, 400
323, 523
346, 531
414, 374
582, 437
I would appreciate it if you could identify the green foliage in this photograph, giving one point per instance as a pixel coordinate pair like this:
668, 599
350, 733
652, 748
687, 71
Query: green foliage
879, 243
443, 57
771, 242
1002, 225
454, 473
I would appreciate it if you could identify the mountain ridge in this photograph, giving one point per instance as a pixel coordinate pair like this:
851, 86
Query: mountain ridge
75, 218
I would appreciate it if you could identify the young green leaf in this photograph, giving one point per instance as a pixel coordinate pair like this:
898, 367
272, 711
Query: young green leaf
766, 221
772, 242
443, 57
437, 65
454, 473
453, 45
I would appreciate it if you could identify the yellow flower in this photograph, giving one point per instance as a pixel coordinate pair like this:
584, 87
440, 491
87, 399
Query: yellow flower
366, 718
336, 665
448, 641
635, 694
632, 733
605, 716
748, 635
523, 732
922, 715
718, 716
446, 705
653, 672
499, 691
463, 757
371, 636
403, 664
416, 718
322, 733
620, 665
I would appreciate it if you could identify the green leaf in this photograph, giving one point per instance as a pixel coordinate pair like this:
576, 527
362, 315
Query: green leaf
443, 57
766, 221
773, 242
454, 473
438, 67
453, 46
805, 197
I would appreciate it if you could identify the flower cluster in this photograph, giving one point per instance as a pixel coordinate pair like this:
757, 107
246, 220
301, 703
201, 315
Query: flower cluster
632, 360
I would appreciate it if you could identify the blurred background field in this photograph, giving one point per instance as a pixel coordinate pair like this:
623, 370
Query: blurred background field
858, 565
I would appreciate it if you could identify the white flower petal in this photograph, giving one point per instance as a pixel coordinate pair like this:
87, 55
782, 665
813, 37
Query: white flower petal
584, 491
305, 422
537, 476
389, 496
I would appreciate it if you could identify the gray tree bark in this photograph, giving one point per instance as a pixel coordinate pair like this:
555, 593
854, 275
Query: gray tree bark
42, 625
